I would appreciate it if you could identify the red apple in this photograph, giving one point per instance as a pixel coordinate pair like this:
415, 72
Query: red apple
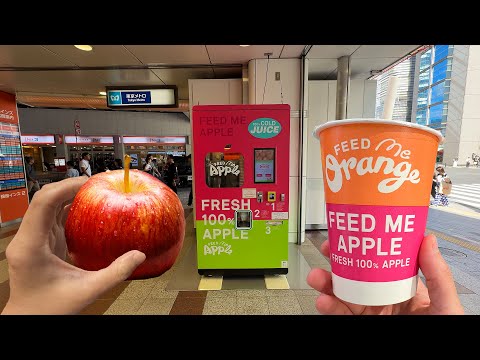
105, 222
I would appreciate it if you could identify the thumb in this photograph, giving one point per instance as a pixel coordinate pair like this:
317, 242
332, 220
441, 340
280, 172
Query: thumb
439, 279
116, 272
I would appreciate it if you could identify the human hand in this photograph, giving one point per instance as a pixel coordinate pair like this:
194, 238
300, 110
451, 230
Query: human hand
41, 281
438, 297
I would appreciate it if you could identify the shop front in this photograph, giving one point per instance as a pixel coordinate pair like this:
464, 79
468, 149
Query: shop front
100, 148
160, 147
43, 150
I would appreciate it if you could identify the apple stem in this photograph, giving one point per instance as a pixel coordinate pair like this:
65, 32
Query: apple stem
126, 173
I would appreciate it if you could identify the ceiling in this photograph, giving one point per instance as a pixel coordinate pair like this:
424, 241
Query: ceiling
63, 76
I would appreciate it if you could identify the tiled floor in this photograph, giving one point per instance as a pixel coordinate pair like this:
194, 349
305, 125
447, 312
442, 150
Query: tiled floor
175, 292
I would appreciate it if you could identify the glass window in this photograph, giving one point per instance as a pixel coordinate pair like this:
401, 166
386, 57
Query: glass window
436, 113
438, 92
422, 116
422, 98
424, 79
425, 60
439, 71
441, 51
224, 170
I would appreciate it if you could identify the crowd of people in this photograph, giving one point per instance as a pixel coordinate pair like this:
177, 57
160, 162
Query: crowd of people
167, 173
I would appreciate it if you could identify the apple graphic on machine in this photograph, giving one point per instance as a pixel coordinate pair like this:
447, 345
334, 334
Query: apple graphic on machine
122, 210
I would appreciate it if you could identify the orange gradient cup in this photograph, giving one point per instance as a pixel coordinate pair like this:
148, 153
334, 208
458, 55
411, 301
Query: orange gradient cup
377, 182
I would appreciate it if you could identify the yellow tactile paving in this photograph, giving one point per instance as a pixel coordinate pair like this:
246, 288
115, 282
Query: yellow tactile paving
210, 283
454, 240
276, 282
451, 210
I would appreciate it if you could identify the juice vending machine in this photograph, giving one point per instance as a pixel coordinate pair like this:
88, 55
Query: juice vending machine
241, 181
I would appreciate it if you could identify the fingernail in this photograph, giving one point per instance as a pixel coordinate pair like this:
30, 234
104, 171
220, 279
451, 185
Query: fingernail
139, 257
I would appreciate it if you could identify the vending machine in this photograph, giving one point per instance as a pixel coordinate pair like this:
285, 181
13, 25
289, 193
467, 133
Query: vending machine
241, 182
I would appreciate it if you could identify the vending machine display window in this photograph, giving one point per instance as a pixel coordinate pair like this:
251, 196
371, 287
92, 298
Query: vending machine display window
224, 170
243, 219
264, 166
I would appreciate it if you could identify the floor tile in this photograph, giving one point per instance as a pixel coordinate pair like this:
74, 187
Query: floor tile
284, 306
192, 294
98, 307
8, 233
307, 303
254, 305
316, 259
114, 293
188, 305
156, 307
159, 293
311, 292
3, 271
309, 250
220, 306
4, 294
471, 301
251, 293
136, 290
124, 307
222, 294
281, 293
4, 242
462, 289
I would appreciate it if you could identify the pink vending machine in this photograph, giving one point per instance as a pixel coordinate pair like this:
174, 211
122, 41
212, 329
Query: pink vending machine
241, 181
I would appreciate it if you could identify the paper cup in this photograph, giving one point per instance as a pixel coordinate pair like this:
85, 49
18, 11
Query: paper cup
377, 178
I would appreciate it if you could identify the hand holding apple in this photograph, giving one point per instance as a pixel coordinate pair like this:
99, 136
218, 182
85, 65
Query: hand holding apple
40, 280
122, 210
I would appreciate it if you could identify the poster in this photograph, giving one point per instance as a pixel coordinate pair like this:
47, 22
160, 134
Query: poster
134, 159
13, 190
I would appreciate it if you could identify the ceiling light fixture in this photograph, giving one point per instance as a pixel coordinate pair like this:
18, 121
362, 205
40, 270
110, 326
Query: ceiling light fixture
84, 47
103, 93
244, 45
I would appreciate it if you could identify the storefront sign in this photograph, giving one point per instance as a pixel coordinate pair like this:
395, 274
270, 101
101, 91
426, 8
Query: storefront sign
38, 139
154, 140
70, 139
162, 96
13, 191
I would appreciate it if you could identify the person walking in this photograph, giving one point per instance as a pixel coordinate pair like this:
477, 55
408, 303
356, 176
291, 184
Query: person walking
32, 182
85, 168
444, 188
172, 174
71, 171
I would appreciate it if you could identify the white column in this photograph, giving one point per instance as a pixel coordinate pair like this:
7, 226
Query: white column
264, 89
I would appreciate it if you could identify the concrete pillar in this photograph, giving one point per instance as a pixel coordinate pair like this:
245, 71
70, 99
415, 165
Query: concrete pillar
343, 85
61, 147
245, 85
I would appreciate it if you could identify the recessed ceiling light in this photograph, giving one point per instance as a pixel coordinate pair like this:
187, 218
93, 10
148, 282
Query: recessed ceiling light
103, 93
84, 47
244, 45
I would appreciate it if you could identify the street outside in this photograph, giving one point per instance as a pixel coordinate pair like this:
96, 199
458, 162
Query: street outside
457, 228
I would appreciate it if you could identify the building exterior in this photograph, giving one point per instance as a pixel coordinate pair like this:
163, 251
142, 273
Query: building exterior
446, 98
405, 71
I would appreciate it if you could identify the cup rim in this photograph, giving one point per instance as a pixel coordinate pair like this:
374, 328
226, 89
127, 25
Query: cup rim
331, 123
